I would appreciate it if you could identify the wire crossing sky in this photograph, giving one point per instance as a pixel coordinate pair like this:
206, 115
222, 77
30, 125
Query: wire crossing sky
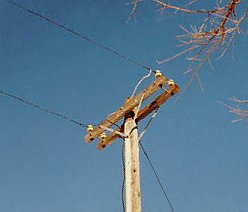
80, 35
46, 166
42, 108
70, 119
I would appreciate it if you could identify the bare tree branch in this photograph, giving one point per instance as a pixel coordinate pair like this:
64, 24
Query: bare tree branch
242, 113
216, 32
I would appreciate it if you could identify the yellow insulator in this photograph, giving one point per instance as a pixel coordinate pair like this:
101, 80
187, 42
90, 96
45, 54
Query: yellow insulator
103, 136
89, 128
170, 83
158, 73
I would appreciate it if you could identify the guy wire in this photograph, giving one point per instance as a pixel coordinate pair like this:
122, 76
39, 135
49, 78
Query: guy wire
157, 177
150, 162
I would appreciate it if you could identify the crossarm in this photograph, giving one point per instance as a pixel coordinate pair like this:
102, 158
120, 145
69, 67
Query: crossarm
162, 98
127, 107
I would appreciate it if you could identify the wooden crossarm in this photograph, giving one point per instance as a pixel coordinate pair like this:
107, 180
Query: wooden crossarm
127, 107
110, 139
162, 98
156, 103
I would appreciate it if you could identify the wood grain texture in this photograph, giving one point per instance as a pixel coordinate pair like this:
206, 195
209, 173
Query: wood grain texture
128, 106
143, 113
132, 167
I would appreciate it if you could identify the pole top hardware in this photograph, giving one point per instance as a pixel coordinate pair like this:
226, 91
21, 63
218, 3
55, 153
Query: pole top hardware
158, 73
130, 104
89, 128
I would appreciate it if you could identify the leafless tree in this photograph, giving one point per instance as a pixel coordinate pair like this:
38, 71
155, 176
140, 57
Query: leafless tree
240, 109
214, 35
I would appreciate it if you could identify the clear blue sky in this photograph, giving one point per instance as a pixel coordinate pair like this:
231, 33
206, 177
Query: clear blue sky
45, 166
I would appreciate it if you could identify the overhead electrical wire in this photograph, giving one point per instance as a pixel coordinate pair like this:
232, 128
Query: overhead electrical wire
157, 177
80, 35
107, 48
83, 37
150, 162
148, 123
34, 105
154, 171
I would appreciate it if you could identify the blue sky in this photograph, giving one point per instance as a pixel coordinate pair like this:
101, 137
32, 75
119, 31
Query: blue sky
45, 165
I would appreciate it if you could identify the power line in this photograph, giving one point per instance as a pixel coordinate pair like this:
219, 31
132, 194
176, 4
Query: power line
157, 177
31, 104
150, 162
107, 48
148, 123
80, 35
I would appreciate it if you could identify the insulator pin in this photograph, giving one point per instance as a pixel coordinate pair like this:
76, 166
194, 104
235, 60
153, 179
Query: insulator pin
89, 128
158, 73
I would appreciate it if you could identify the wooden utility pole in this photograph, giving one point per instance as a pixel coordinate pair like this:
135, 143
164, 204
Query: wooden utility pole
129, 132
131, 158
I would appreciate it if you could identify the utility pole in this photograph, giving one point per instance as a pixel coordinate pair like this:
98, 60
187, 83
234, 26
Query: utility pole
129, 132
132, 168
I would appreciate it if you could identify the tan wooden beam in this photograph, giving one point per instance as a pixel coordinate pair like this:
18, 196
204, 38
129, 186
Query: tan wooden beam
161, 99
127, 107
110, 139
